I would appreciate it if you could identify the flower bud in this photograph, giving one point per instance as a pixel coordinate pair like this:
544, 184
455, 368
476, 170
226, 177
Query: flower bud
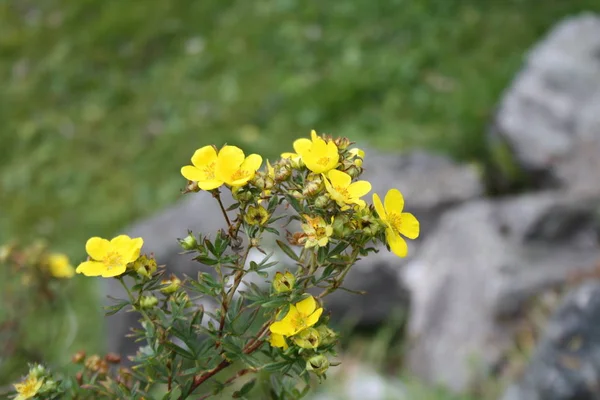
145, 266
283, 172
148, 302
78, 357
48, 386
307, 339
112, 358
297, 195
259, 180
241, 195
182, 298
37, 371
313, 186
342, 143
171, 285
189, 242
326, 335
256, 215
317, 364
92, 363
354, 171
283, 282
322, 201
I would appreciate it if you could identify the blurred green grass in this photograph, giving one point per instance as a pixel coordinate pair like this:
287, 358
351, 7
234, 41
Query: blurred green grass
102, 101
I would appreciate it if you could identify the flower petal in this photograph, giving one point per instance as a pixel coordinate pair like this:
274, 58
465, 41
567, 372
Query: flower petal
97, 247
192, 173
409, 225
278, 340
394, 201
301, 146
396, 242
313, 135
91, 268
314, 317
204, 156
339, 178
127, 247
306, 306
379, 207
209, 185
115, 271
359, 188
252, 163
282, 328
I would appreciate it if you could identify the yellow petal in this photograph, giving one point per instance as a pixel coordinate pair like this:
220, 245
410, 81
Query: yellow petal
339, 178
313, 135
379, 207
359, 188
306, 306
232, 155
301, 146
208, 185
252, 163
115, 271
278, 341
396, 242
204, 156
314, 317
289, 155
282, 328
91, 268
394, 201
409, 225
97, 247
129, 248
192, 173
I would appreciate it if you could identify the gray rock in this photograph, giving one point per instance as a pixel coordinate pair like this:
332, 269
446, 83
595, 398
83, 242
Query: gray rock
549, 115
475, 272
566, 363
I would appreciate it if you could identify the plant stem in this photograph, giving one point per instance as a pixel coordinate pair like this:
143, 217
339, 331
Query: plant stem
229, 381
217, 195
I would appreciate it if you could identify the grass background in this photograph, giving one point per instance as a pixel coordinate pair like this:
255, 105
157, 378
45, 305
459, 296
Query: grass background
102, 101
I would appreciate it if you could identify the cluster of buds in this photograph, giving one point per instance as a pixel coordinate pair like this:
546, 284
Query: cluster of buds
101, 369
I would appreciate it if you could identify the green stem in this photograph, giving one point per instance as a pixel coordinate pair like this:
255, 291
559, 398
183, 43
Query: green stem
132, 299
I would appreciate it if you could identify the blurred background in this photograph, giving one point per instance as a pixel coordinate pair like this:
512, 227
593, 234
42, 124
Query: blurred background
102, 102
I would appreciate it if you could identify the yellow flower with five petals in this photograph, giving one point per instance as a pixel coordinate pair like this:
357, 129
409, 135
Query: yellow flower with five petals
318, 155
110, 258
317, 231
28, 388
343, 191
397, 222
229, 165
300, 316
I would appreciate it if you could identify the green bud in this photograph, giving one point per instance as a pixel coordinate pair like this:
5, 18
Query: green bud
297, 195
283, 172
283, 282
307, 339
148, 302
171, 285
354, 171
313, 186
48, 386
145, 266
189, 242
322, 201
37, 371
338, 225
326, 335
317, 364
182, 298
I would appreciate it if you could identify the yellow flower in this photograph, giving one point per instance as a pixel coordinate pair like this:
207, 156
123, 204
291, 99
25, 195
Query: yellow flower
317, 231
396, 221
203, 169
301, 315
211, 169
277, 340
358, 155
318, 155
343, 191
59, 266
256, 215
28, 388
234, 168
110, 258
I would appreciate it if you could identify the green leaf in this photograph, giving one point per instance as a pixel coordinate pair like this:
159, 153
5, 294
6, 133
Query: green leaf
179, 350
232, 207
115, 308
244, 390
287, 250
206, 260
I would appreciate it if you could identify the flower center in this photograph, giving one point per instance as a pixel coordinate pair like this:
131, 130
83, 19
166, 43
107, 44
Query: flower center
299, 322
395, 221
343, 191
323, 161
239, 174
113, 260
209, 171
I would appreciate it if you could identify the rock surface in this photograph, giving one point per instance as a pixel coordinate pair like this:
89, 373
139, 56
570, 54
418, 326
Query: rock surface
566, 363
549, 117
